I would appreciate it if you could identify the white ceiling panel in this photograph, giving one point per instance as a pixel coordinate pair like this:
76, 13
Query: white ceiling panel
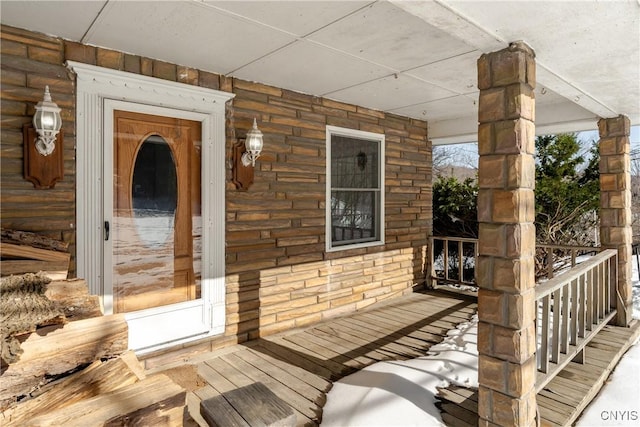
441, 109
458, 73
297, 17
587, 52
186, 33
52, 17
564, 112
309, 68
391, 92
592, 46
386, 35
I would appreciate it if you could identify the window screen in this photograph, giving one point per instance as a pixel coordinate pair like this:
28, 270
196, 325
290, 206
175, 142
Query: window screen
355, 202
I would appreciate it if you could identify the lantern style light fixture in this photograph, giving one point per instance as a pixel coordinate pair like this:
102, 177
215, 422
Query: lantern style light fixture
245, 154
47, 123
253, 145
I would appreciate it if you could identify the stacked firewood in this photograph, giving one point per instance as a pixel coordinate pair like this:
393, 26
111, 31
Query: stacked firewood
64, 363
24, 252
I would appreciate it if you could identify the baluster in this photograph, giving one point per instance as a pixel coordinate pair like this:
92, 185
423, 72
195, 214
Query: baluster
565, 298
445, 243
613, 286
575, 309
582, 316
555, 334
589, 295
544, 340
596, 296
549, 263
607, 287
460, 269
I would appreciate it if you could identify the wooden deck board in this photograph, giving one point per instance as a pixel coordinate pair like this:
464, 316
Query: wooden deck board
307, 377
294, 358
410, 347
303, 407
302, 388
299, 366
565, 397
386, 339
384, 345
351, 344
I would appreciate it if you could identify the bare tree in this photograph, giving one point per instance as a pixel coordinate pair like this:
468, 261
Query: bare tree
453, 159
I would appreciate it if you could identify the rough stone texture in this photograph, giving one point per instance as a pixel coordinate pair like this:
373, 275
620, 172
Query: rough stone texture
615, 204
278, 273
29, 63
505, 275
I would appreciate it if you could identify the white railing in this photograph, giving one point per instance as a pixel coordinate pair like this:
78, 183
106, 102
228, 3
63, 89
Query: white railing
453, 260
572, 308
552, 259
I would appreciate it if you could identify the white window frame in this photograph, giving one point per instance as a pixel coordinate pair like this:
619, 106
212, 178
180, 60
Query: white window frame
359, 134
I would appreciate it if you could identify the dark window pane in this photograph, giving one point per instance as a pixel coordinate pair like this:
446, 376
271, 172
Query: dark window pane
354, 162
354, 216
154, 191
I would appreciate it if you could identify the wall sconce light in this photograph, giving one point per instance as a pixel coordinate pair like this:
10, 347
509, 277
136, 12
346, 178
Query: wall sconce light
47, 123
244, 157
43, 152
253, 145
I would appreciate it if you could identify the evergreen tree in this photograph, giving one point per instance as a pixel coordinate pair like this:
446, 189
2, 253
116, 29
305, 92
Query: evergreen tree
567, 195
567, 190
455, 210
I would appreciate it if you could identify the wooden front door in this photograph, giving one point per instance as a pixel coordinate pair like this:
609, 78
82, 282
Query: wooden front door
156, 227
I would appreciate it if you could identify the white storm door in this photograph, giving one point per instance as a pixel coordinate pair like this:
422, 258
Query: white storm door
192, 312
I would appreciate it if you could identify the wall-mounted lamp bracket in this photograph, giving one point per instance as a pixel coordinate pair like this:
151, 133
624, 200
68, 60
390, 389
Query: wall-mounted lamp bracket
42, 171
242, 175
245, 153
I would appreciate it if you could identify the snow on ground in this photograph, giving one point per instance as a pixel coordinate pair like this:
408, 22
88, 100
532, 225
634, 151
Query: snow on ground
402, 393
618, 403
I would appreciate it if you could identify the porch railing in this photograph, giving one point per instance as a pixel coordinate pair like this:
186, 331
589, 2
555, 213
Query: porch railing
453, 260
551, 259
572, 308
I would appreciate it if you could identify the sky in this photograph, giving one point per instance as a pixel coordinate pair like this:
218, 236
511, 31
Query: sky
468, 153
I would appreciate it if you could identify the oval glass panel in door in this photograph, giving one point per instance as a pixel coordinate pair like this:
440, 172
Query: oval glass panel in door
154, 192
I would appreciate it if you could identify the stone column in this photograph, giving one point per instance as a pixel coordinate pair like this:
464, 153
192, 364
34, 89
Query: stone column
615, 205
506, 271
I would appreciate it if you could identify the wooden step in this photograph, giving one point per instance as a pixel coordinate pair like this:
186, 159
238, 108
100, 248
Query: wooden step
252, 405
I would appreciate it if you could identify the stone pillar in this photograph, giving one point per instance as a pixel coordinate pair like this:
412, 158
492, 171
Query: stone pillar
615, 205
506, 270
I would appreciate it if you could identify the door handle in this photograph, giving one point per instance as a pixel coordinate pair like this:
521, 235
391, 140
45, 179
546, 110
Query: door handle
106, 230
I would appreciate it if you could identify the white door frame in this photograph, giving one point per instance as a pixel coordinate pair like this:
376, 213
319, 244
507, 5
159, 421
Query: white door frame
99, 92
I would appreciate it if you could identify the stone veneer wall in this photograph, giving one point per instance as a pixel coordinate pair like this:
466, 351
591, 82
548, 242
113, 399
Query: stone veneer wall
278, 273
506, 248
30, 62
615, 206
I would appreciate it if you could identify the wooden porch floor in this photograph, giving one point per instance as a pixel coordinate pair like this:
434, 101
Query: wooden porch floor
300, 366
564, 398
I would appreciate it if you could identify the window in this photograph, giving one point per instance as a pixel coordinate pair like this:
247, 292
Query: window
355, 196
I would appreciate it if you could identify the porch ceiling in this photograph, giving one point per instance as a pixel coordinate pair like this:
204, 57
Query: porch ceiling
413, 58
